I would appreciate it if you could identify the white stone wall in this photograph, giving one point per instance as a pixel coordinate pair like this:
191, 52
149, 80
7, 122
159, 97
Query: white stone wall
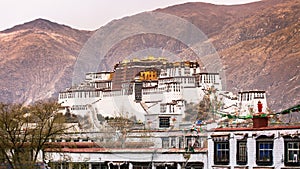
278, 148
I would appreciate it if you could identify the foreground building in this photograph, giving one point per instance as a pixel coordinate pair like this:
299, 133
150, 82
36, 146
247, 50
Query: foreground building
142, 149
260, 146
272, 146
264, 145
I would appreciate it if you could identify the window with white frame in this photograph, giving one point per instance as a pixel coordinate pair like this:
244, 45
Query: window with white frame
292, 151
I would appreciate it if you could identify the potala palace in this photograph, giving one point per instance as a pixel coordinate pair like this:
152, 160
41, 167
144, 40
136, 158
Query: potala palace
139, 116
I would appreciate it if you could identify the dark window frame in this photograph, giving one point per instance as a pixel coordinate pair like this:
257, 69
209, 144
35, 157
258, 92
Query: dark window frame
164, 122
181, 142
173, 142
261, 145
165, 142
240, 153
227, 151
287, 141
163, 108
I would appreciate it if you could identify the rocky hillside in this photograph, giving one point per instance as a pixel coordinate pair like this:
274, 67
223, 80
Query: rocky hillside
257, 42
36, 60
267, 45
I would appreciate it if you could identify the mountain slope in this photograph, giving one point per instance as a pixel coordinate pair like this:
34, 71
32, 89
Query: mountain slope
37, 59
257, 42
211, 19
263, 52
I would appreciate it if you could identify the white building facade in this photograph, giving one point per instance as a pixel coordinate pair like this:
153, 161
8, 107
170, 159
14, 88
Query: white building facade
173, 149
253, 148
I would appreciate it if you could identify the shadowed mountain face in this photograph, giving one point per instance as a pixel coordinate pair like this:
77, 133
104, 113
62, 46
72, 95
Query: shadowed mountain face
257, 42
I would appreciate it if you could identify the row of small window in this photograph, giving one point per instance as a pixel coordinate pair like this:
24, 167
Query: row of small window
180, 142
106, 165
66, 165
173, 88
80, 94
106, 85
151, 91
264, 153
185, 80
70, 140
168, 88
97, 76
208, 79
112, 93
250, 96
180, 71
79, 107
163, 109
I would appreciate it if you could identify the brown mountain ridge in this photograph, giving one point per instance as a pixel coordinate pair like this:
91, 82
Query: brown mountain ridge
257, 42
36, 60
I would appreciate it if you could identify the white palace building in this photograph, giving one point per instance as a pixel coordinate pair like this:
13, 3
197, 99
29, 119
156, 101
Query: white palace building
137, 120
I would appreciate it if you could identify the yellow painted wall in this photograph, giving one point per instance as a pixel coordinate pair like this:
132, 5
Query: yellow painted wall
148, 75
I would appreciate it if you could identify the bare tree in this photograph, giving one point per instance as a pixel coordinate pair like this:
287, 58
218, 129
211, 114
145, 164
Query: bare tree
122, 125
206, 109
25, 132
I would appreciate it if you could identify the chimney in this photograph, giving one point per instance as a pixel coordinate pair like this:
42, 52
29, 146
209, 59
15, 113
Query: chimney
260, 119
